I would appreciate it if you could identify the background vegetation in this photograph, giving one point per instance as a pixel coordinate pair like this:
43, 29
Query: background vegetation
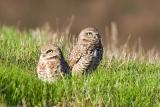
140, 18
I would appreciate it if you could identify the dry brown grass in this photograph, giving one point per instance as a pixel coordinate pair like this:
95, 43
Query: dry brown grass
112, 47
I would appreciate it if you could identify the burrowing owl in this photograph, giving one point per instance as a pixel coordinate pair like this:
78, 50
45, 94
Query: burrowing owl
51, 63
87, 53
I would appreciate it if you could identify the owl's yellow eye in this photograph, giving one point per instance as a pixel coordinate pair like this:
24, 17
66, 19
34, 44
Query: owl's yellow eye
49, 51
89, 33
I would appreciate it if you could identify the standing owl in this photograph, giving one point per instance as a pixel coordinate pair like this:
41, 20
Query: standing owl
51, 63
87, 53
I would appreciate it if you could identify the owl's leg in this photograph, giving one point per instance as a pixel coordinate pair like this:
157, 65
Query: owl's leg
77, 72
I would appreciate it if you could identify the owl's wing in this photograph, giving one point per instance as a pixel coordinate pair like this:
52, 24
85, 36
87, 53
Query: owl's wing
98, 55
74, 56
100, 51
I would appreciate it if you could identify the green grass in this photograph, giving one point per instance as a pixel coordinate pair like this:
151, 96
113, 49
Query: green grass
114, 83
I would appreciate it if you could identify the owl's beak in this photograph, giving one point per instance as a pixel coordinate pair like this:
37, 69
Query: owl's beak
43, 55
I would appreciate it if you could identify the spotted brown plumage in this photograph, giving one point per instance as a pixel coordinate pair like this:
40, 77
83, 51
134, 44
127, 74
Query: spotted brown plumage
87, 53
51, 63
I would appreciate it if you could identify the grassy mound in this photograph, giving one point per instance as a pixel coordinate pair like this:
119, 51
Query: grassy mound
114, 83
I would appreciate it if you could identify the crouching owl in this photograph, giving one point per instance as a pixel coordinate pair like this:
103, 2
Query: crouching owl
51, 63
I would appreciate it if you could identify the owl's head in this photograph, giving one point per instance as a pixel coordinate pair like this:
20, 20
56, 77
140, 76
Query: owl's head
89, 35
50, 51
